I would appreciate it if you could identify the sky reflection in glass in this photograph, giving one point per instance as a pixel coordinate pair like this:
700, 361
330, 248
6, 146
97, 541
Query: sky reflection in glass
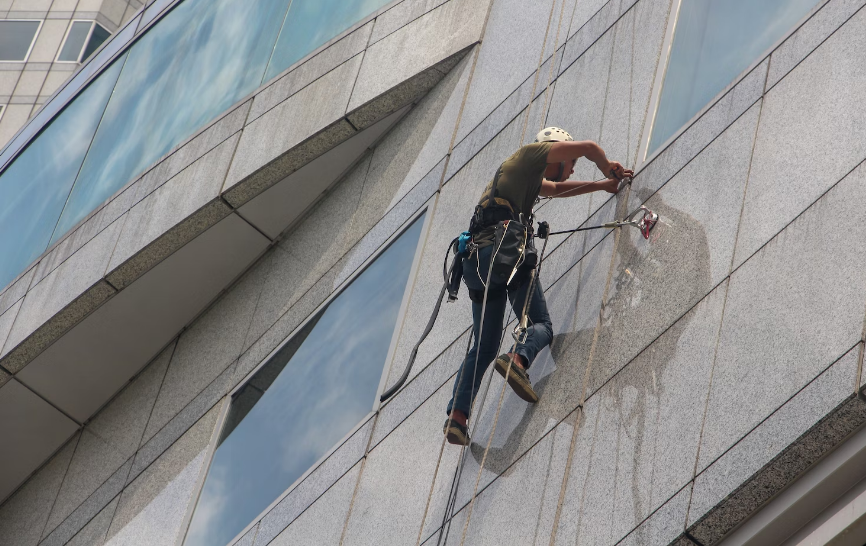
715, 41
311, 23
305, 399
196, 62
29, 211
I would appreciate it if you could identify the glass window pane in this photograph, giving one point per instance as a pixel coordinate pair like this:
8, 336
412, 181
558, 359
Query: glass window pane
15, 39
99, 35
187, 69
715, 40
34, 188
305, 399
75, 41
311, 23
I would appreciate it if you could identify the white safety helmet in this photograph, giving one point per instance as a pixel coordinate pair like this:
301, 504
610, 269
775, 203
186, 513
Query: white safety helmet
553, 134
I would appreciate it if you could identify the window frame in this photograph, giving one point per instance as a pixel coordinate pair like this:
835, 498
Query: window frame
32, 42
644, 155
78, 59
225, 403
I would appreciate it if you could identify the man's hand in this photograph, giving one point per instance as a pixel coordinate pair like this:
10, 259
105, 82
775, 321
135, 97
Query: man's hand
615, 170
611, 185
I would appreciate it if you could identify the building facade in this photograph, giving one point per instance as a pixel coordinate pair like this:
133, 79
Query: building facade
223, 236
44, 43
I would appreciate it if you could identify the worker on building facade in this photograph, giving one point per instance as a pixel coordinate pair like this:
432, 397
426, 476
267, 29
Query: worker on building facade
538, 169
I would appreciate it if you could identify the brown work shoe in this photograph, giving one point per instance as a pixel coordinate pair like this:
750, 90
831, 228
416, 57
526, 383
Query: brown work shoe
517, 378
455, 433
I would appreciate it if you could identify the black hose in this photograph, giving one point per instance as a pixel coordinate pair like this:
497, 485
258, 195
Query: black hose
390, 392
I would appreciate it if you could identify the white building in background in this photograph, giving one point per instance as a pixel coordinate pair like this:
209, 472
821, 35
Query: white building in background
42, 42
222, 237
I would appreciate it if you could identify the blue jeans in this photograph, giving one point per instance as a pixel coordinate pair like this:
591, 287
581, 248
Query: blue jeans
540, 331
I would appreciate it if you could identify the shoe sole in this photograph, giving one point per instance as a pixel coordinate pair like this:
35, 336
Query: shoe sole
521, 388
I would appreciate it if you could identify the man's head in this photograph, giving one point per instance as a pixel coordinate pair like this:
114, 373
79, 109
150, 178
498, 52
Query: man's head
556, 172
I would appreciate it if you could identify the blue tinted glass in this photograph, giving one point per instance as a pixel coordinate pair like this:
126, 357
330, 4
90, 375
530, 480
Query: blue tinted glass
75, 41
311, 23
34, 188
189, 68
98, 36
715, 40
15, 39
305, 399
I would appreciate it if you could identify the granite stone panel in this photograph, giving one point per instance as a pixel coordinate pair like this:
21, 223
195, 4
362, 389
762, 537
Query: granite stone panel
61, 300
519, 507
399, 15
583, 12
87, 510
821, 25
323, 522
510, 55
816, 112
209, 346
779, 333
155, 226
583, 37
330, 473
16, 290
7, 319
643, 429
394, 488
93, 534
775, 452
109, 440
703, 129
415, 392
310, 70
249, 538
665, 525
688, 253
421, 44
24, 514
152, 507
279, 142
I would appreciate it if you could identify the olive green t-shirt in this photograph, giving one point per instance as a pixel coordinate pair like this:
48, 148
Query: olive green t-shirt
519, 184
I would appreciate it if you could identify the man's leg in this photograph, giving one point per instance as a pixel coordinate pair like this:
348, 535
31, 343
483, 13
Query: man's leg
483, 351
540, 330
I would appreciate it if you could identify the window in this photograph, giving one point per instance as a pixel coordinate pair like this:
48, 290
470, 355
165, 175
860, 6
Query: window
311, 393
82, 39
714, 41
16, 39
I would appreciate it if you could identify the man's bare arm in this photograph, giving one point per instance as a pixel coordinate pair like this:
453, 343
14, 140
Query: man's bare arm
573, 187
567, 151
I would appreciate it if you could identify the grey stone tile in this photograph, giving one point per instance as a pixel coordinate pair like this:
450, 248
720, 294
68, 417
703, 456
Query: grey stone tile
393, 220
93, 534
583, 12
109, 440
181, 423
779, 332
334, 469
291, 134
392, 495
87, 510
419, 45
597, 25
427, 381
399, 15
509, 55
702, 130
7, 319
16, 289
778, 450
689, 251
23, 515
809, 36
172, 215
532, 484
665, 525
800, 127
61, 300
152, 506
212, 343
322, 523
310, 70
